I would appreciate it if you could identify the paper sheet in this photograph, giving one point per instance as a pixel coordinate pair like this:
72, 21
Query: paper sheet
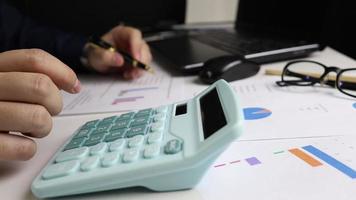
112, 94
269, 170
273, 112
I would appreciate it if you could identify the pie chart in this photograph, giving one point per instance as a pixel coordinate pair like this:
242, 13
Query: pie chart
253, 113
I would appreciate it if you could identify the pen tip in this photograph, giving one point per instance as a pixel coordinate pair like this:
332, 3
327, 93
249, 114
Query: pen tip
150, 69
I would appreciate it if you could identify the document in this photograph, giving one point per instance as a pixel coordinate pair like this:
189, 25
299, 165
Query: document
102, 94
293, 169
273, 112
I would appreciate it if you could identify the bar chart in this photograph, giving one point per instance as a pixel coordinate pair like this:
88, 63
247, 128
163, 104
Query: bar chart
309, 168
310, 155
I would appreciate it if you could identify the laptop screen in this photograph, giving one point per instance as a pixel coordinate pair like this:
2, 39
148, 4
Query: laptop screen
299, 19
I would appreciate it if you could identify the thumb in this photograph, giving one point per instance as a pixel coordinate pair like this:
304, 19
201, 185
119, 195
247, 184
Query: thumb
102, 60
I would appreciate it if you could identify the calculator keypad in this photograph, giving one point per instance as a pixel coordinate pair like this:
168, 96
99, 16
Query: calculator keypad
114, 140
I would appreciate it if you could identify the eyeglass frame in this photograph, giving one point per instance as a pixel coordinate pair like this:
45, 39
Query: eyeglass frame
320, 80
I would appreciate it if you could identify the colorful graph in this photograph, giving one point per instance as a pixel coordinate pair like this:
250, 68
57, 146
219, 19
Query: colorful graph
126, 99
305, 157
309, 154
331, 161
123, 92
253, 161
253, 113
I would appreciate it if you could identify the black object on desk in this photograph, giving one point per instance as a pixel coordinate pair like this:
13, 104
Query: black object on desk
229, 68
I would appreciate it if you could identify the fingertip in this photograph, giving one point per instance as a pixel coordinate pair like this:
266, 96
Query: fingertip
137, 73
127, 75
133, 74
118, 60
26, 150
137, 55
77, 87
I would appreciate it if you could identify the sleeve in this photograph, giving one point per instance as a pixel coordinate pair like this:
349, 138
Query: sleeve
19, 32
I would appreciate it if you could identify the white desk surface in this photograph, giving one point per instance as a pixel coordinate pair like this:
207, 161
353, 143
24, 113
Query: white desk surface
16, 177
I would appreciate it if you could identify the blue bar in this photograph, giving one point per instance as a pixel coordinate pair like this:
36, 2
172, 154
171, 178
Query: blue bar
331, 161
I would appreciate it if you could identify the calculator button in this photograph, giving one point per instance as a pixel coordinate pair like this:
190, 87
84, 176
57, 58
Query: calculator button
136, 141
126, 116
158, 126
121, 124
140, 121
151, 151
108, 120
155, 137
72, 154
98, 149
101, 129
145, 112
74, 143
162, 109
83, 133
137, 130
116, 145
115, 134
91, 124
89, 163
159, 117
61, 169
130, 155
94, 139
110, 159
173, 146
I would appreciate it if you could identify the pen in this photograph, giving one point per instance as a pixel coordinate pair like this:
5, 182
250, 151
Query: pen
97, 42
332, 77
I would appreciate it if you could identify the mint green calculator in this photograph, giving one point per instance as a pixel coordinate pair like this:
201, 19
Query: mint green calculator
163, 149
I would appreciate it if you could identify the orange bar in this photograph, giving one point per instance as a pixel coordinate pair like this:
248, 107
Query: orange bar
308, 159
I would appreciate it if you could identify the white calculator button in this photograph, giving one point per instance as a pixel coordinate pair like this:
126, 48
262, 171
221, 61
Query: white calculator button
109, 159
98, 149
72, 154
136, 141
162, 109
116, 145
89, 163
155, 137
157, 126
61, 169
173, 146
151, 151
159, 117
130, 155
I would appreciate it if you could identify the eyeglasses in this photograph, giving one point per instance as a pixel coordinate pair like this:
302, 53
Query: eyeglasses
308, 73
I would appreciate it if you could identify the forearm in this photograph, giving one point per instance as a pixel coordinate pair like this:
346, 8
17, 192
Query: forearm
18, 31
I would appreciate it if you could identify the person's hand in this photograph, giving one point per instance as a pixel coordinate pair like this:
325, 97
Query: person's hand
30, 80
127, 39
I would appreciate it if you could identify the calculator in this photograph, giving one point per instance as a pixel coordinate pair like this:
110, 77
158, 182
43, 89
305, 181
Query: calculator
163, 148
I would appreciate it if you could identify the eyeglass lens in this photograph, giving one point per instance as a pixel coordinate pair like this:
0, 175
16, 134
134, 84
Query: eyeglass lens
347, 82
306, 73
303, 73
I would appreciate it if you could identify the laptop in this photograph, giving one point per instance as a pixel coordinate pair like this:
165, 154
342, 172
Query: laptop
264, 31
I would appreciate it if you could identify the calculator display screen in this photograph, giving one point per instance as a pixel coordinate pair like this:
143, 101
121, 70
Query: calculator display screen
212, 114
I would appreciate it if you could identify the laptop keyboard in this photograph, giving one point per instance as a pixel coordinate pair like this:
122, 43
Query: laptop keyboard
238, 44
